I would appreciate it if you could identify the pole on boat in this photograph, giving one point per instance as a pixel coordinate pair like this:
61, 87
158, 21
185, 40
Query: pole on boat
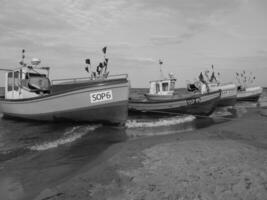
160, 69
22, 63
88, 63
105, 58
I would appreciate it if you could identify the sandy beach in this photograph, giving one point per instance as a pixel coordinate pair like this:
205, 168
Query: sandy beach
223, 161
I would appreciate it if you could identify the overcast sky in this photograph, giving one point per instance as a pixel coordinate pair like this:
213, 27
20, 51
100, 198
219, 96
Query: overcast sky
188, 35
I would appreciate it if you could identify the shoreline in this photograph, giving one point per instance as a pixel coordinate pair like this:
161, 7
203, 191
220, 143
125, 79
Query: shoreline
223, 161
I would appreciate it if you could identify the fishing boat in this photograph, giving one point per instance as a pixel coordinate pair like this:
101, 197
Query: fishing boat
249, 93
31, 95
211, 84
245, 90
162, 99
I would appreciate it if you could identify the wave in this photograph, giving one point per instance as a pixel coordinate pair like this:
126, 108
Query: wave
136, 134
11, 153
68, 137
160, 122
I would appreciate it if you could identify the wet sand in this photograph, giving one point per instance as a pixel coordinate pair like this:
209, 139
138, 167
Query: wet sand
223, 161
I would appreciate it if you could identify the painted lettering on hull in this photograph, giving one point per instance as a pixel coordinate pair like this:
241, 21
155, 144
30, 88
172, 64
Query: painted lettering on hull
193, 101
101, 96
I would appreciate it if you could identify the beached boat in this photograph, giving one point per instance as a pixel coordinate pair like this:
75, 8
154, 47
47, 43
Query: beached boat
229, 93
249, 93
162, 99
245, 90
29, 94
211, 84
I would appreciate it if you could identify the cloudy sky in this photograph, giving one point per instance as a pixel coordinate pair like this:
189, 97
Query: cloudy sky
188, 35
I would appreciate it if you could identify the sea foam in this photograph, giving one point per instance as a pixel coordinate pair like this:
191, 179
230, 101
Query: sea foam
159, 122
68, 137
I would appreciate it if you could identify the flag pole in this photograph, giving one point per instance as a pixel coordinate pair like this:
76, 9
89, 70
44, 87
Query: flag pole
160, 69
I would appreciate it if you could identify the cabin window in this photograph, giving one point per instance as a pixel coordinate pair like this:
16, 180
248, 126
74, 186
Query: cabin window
165, 86
10, 81
16, 80
157, 88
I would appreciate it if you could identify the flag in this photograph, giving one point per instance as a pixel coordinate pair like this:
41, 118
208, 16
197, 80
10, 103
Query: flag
87, 61
213, 77
106, 62
104, 50
201, 78
160, 62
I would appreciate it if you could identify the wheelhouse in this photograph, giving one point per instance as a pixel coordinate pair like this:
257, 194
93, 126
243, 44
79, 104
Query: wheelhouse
162, 87
27, 82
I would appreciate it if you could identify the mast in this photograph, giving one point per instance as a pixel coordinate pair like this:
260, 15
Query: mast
160, 69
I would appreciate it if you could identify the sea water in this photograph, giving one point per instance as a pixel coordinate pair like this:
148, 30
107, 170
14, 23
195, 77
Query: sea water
34, 155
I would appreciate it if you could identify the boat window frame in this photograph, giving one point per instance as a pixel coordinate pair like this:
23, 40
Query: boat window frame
10, 81
157, 88
165, 86
16, 77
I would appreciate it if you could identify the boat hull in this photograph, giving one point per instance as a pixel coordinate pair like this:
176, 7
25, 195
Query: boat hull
74, 104
229, 93
155, 97
227, 101
250, 94
199, 105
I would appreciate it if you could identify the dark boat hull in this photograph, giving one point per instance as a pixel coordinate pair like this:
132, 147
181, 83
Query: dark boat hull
230, 101
201, 105
253, 98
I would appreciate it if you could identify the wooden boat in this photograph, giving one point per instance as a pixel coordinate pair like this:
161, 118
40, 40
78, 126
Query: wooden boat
29, 94
162, 99
249, 93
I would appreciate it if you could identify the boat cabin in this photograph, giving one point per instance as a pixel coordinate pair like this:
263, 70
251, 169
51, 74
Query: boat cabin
163, 87
27, 81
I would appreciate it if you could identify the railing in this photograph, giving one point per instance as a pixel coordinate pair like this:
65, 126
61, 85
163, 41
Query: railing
75, 80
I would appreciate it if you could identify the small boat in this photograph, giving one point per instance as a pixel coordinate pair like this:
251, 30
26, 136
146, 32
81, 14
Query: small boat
246, 92
31, 95
249, 93
211, 84
162, 99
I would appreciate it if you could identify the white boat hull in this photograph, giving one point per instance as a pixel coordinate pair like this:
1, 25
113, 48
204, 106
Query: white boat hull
228, 95
249, 94
75, 105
